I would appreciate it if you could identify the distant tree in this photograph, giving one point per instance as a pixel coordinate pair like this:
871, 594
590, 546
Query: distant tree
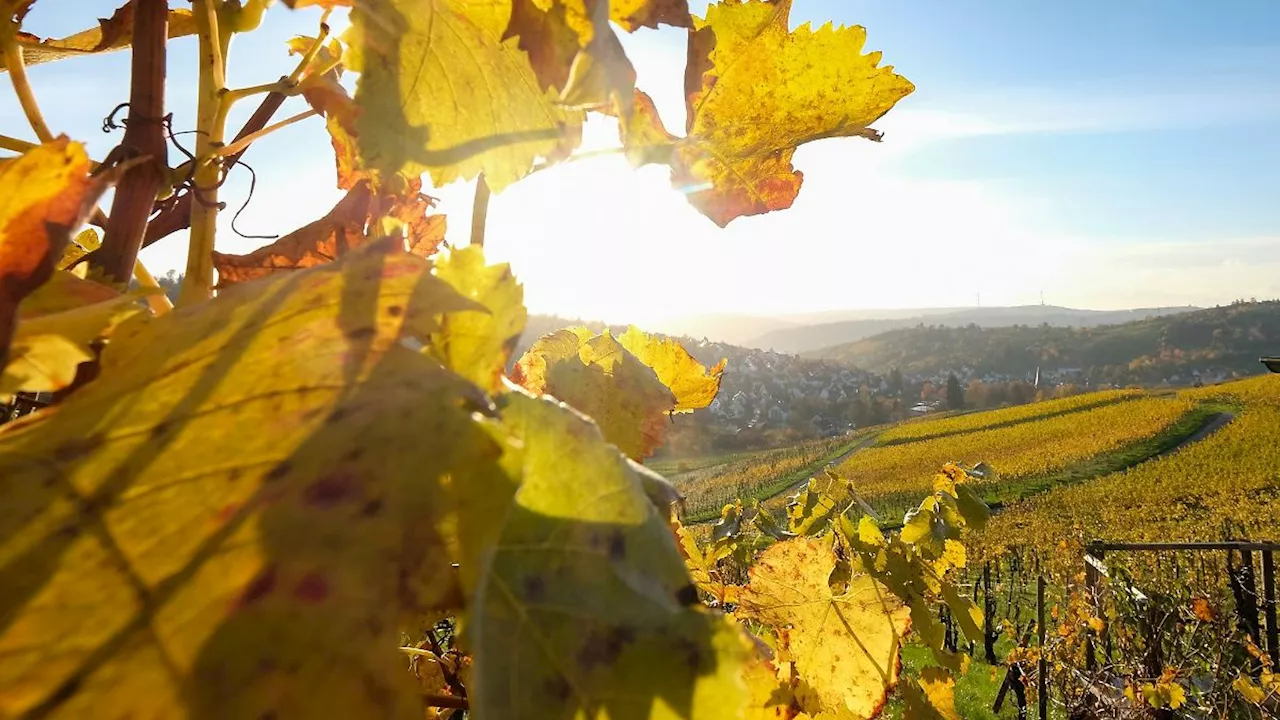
955, 393
895, 382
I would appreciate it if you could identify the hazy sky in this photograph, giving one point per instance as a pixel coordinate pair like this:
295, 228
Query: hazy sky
1111, 154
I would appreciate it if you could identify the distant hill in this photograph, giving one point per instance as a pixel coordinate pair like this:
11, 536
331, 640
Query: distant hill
1222, 340
724, 327
827, 334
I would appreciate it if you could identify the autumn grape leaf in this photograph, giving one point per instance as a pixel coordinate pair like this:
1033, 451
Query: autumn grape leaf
56, 326
113, 33
48, 195
327, 96
441, 91
477, 343
573, 50
634, 14
694, 385
84, 243
755, 91
530, 371
931, 696
771, 697
343, 229
599, 377
844, 644
586, 610
230, 520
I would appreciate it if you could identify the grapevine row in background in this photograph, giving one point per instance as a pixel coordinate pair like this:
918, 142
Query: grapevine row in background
757, 477
889, 478
1229, 477
929, 429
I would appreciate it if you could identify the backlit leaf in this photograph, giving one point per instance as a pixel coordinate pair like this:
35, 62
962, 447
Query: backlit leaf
633, 14
477, 343
599, 377
113, 33
56, 325
47, 194
693, 384
85, 242
335, 234
441, 91
586, 609
845, 645
756, 91
230, 520
573, 49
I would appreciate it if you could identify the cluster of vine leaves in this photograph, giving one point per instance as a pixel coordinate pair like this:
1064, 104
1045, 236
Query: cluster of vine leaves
235, 508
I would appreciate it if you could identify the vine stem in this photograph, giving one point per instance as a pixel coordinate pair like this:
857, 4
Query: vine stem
197, 286
16, 145
21, 85
143, 135
238, 146
480, 211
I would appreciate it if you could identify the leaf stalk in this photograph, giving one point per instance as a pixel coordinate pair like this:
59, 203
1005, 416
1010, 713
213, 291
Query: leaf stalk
21, 84
238, 146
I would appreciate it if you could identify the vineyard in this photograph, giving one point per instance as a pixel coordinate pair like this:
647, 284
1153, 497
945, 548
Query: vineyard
757, 477
321, 484
925, 429
1134, 634
1229, 479
1019, 456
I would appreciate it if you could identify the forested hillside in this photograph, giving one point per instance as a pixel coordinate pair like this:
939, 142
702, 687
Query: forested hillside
826, 334
1217, 343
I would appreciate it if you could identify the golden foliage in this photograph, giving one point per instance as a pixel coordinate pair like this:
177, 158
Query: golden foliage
844, 642
486, 113
755, 91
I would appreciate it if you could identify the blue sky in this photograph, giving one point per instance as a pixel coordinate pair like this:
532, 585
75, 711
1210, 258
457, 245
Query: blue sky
1109, 154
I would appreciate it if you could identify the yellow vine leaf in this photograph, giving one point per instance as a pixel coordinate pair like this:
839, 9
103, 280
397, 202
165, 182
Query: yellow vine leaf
755, 91
230, 520
844, 644
476, 344
771, 697
530, 370
84, 243
113, 33
343, 229
634, 14
47, 194
573, 50
586, 610
1248, 689
440, 90
56, 326
931, 696
694, 385
599, 377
